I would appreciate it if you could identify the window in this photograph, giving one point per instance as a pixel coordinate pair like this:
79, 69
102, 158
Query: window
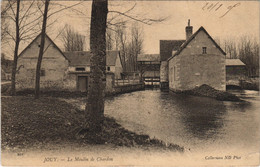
204, 50
42, 73
108, 68
80, 69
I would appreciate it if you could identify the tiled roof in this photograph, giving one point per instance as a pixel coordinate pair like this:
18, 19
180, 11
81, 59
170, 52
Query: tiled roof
192, 37
78, 58
148, 57
82, 58
167, 46
234, 62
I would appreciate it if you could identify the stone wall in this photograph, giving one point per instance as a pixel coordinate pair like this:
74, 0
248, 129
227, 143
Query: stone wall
118, 67
164, 71
196, 70
110, 82
54, 66
191, 68
57, 75
174, 73
125, 89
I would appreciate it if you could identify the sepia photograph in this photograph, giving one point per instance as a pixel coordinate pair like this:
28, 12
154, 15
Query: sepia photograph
130, 83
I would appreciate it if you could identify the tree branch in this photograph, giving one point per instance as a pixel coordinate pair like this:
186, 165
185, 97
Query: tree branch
75, 10
63, 9
25, 14
13, 38
11, 7
144, 21
31, 22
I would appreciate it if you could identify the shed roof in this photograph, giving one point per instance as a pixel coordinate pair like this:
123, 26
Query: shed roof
82, 58
148, 57
234, 62
167, 46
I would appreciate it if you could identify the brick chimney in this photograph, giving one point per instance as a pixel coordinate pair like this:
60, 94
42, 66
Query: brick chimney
188, 30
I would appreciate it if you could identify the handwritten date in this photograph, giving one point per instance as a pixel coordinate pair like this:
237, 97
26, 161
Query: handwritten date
217, 6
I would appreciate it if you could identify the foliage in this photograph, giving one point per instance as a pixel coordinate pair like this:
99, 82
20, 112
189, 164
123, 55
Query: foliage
208, 91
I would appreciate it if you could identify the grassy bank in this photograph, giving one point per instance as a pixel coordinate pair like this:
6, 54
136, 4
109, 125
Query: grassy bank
48, 93
30, 123
60, 93
250, 84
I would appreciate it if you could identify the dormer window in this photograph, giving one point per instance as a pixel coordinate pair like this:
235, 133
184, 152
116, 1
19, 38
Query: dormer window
80, 69
204, 50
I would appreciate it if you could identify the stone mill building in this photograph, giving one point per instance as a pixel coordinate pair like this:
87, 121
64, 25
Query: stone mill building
198, 60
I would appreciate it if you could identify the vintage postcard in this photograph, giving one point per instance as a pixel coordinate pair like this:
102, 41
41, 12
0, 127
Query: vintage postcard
130, 83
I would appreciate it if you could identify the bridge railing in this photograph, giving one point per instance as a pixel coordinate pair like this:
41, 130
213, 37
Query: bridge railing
120, 82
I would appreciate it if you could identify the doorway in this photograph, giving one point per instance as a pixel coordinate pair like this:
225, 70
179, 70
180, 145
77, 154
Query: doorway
82, 83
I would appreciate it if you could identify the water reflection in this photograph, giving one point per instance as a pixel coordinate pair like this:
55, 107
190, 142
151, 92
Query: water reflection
202, 117
190, 121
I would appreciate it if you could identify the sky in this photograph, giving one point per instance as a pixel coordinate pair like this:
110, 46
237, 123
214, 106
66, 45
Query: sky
222, 19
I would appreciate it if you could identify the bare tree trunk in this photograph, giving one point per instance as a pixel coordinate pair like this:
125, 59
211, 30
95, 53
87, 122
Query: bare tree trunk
94, 112
17, 42
39, 62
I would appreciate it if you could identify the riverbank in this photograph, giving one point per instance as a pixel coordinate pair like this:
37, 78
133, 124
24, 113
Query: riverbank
28, 123
207, 91
250, 84
117, 90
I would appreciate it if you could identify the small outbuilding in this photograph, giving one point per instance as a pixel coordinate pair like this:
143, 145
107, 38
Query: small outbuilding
235, 71
79, 68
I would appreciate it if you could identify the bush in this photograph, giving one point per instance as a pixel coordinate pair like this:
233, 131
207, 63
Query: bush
208, 91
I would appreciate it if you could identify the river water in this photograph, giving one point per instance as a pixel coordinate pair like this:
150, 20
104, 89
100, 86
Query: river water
199, 124
203, 126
